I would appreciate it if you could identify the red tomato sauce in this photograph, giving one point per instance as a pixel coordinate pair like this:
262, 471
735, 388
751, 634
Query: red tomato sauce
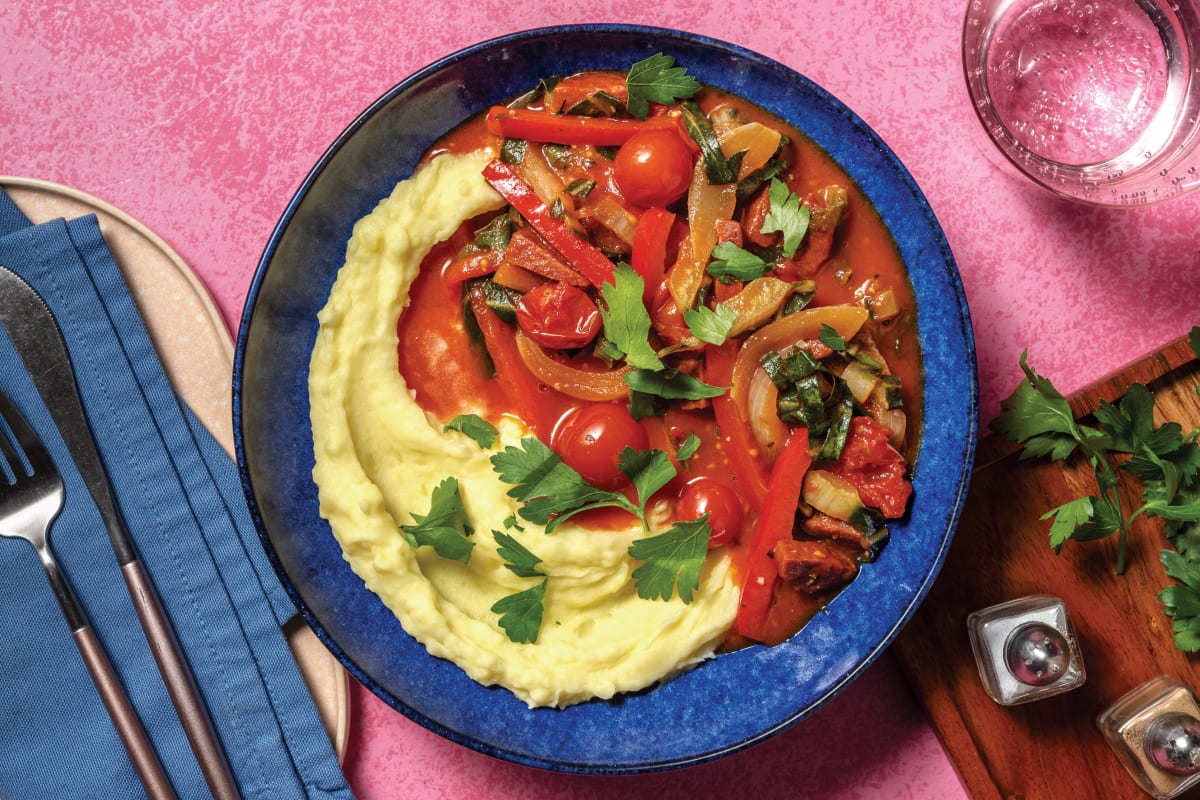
449, 371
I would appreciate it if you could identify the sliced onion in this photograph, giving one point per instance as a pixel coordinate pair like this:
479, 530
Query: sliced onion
757, 302
762, 411
896, 421
609, 212
776, 337
757, 140
581, 384
706, 205
860, 380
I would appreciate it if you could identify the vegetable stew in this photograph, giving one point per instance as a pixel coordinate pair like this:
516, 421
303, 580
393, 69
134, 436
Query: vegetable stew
678, 271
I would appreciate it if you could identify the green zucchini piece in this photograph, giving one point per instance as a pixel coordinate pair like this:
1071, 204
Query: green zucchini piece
786, 370
719, 169
496, 234
501, 300
839, 427
513, 151
581, 187
797, 302
556, 154
802, 405
832, 495
893, 396
600, 104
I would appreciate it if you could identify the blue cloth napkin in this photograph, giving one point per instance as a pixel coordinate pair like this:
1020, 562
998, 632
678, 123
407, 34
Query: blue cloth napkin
180, 496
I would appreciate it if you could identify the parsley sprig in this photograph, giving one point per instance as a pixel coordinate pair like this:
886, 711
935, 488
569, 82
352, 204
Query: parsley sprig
482, 432
521, 613
1161, 457
711, 325
446, 527
657, 79
672, 561
732, 263
627, 333
626, 320
552, 492
787, 216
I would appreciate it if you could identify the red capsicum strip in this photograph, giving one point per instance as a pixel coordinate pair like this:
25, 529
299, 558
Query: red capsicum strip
548, 127
649, 255
774, 524
518, 382
736, 438
581, 254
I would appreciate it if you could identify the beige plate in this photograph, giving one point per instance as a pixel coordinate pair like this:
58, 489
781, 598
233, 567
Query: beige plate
197, 351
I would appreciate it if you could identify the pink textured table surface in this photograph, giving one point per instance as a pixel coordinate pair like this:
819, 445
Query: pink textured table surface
201, 118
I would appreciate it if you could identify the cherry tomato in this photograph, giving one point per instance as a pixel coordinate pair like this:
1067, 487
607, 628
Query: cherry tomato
558, 315
722, 504
875, 468
590, 440
653, 168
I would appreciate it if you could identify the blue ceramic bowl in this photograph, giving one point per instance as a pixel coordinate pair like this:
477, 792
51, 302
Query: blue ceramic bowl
725, 704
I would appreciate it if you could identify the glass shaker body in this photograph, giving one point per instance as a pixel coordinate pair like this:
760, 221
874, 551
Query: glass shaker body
1155, 732
1026, 649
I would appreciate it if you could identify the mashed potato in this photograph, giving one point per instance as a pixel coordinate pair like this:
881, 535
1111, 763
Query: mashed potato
378, 459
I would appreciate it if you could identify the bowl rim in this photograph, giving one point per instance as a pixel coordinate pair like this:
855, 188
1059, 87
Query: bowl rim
667, 36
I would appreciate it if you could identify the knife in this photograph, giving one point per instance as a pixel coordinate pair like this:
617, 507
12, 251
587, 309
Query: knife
38, 340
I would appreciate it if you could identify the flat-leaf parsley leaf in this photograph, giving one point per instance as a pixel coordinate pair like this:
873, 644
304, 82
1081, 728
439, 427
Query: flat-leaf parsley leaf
517, 558
626, 321
550, 490
711, 325
1161, 457
657, 79
479, 429
787, 216
731, 263
673, 386
673, 561
649, 470
446, 527
521, 614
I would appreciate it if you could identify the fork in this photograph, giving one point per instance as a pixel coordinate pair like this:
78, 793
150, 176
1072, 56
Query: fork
31, 497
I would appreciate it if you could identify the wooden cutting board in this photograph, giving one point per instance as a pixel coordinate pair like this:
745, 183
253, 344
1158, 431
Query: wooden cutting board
1049, 748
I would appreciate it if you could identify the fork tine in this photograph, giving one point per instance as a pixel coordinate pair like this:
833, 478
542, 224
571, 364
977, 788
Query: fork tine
10, 463
34, 502
35, 452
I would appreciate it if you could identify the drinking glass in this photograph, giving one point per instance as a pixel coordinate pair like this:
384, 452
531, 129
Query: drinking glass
1097, 100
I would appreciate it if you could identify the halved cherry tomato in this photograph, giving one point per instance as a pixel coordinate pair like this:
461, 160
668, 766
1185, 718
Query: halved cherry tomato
874, 467
653, 168
558, 315
722, 504
590, 440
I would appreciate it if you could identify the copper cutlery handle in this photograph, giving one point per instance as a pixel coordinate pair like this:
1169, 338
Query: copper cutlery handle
108, 685
125, 720
177, 676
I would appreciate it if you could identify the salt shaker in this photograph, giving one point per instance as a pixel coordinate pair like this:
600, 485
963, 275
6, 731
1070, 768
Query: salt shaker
1026, 649
1155, 732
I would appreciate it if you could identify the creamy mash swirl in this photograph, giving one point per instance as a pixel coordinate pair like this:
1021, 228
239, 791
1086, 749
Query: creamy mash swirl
379, 457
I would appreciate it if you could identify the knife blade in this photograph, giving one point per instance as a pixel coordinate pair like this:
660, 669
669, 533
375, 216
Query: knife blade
38, 341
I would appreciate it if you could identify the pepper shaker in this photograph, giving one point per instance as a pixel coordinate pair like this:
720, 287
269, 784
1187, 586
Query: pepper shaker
1155, 732
1026, 650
